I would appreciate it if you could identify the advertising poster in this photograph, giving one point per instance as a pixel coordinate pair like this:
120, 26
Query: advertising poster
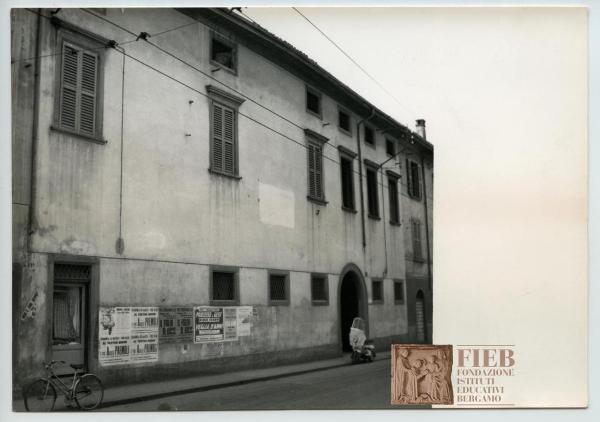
230, 327
176, 324
127, 335
208, 324
244, 320
114, 335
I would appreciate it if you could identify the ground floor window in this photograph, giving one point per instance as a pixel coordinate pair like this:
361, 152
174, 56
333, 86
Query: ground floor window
319, 291
224, 286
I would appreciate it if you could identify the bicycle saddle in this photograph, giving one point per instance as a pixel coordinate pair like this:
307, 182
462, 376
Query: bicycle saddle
76, 366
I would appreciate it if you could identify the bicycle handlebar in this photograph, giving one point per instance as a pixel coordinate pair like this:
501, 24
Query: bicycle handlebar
54, 362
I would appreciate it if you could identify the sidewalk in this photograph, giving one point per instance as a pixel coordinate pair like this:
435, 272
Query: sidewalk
131, 393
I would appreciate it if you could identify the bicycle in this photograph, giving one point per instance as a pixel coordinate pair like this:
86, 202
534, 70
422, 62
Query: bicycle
86, 390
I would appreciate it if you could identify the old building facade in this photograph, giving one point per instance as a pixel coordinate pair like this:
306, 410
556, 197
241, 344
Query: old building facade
174, 165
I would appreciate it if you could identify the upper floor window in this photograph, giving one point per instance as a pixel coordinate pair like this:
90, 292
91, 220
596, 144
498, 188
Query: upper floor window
416, 239
390, 147
314, 148
78, 100
347, 178
223, 52
344, 122
223, 132
313, 102
413, 179
372, 191
393, 198
369, 135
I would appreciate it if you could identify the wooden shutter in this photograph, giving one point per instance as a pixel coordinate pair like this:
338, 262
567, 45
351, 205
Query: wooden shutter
318, 172
228, 141
408, 178
69, 87
312, 188
217, 142
416, 235
223, 139
88, 88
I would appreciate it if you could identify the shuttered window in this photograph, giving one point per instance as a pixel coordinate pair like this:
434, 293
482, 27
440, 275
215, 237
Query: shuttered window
224, 138
416, 239
413, 181
315, 171
347, 183
372, 194
79, 90
393, 198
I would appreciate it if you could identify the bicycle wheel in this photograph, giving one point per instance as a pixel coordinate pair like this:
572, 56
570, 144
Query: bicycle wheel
39, 396
88, 392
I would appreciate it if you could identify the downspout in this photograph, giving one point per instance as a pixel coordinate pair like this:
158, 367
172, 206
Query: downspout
360, 174
32, 223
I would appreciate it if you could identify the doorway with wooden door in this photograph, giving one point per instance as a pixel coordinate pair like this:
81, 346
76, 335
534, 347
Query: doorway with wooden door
70, 320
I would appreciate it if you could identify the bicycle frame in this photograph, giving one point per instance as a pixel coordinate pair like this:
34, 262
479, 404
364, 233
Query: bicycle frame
58, 384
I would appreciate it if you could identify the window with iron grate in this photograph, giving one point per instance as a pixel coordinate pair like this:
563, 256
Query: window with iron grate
224, 287
398, 291
319, 290
278, 289
377, 291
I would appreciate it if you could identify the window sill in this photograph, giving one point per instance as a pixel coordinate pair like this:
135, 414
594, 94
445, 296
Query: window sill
419, 260
372, 145
320, 303
414, 198
350, 210
398, 302
230, 176
279, 303
79, 135
345, 132
395, 223
317, 200
314, 113
377, 302
223, 67
374, 217
225, 302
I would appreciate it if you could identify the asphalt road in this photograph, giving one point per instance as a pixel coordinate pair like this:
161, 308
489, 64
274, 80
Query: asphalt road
362, 386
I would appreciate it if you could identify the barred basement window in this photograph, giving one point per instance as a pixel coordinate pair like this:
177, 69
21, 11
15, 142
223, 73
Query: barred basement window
78, 100
319, 290
377, 286
398, 291
278, 288
413, 179
224, 286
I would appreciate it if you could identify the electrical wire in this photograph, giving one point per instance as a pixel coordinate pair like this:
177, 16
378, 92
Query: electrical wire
174, 79
362, 69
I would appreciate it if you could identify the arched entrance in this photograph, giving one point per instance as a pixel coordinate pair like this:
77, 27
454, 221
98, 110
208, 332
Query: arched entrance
352, 302
420, 317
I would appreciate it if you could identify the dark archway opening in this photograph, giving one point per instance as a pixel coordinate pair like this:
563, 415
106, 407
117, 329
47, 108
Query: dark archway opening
349, 307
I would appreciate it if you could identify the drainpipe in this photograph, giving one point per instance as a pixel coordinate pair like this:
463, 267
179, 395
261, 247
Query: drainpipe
360, 173
32, 223
385, 252
421, 131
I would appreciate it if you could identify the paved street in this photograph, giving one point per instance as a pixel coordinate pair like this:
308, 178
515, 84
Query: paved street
363, 386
